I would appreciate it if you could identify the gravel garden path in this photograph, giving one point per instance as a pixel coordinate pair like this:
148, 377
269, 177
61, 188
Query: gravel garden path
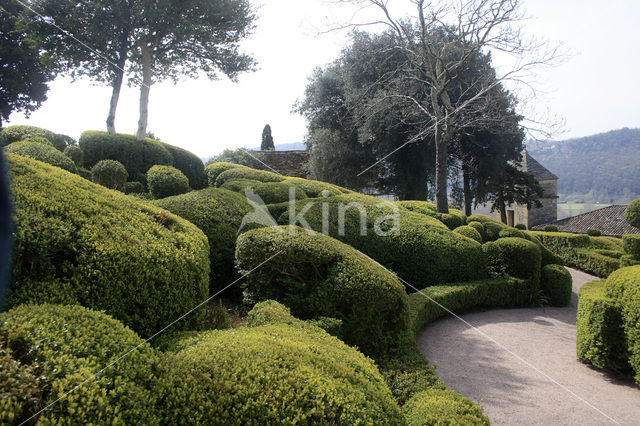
531, 376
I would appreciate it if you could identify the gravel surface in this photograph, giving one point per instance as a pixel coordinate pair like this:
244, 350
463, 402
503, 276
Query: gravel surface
531, 376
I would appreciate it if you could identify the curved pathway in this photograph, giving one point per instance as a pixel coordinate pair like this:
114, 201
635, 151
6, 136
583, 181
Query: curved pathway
531, 376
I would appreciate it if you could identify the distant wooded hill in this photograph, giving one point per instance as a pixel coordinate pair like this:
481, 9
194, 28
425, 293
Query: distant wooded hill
602, 168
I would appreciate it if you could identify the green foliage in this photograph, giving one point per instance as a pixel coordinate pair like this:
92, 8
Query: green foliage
632, 213
551, 228
631, 245
600, 336
610, 253
512, 233
267, 139
454, 219
217, 317
75, 154
521, 226
20, 388
492, 226
67, 347
556, 285
461, 297
166, 181
269, 192
189, 164
628, 260
314, 188
13, 134
594, 232
402, 249
480, 228
328, 324
41, 152
247, 173
469, 232
79, 243
134, 188
277, 373
624, 287
438, 407
316, 275
109, 173
607, 243
213, 170
218, 213
37, 139
136, 156
270, 312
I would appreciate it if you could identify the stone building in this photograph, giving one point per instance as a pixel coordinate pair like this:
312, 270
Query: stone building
521, 214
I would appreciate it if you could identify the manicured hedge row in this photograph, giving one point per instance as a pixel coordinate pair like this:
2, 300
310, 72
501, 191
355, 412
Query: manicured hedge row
442, 407
275, 374
632, 213
315, 276
218, 213
419, 248
453, 219
492, 226
61, 347
314, 188
214, 170
189, 164
269, 192
42, 152
247, 173
137, 156
600, 338
166, 181
469, 232
556, 285
13, 134
79, 243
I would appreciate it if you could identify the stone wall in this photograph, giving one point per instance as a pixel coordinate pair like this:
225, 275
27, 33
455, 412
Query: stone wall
288, 163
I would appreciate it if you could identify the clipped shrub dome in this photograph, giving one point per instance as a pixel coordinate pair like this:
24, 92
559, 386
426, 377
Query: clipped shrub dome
214, 170
442, 407
79, 243
166, 181
454, 219
189, 164
75, 154
62, 346
13, 134
218, 213
247, 173
110, 174
316, 275
269, 192
556, 285
632, 213
41, 152
276, 374
469, 232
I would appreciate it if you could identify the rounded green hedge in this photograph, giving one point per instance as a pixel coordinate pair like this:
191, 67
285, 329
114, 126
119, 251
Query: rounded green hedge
13, 134
442, 407
247, 173
453, 219
632, 213
75, 154
480, 228
166, 181
79, 243
45, 153
492, 226
275, 374
269, 192
218, 213
314, 188
628, 260
134, 188
110, 174
556, 285
137, 156
551, 228
512, 233
469, 232
631, 245
594, 232
214, 170
189, 164
316, 275
64, 346
419, 248
521, 226
37, 139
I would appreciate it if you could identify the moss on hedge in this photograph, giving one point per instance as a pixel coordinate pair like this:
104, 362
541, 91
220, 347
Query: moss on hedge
600, 338
79, 243
277, 373
247, 173
45, 153
218, 213
440, 407
420, 249
556, 285
315, 275
67, 346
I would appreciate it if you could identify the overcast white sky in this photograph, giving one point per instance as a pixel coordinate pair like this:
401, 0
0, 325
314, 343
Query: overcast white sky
597, 90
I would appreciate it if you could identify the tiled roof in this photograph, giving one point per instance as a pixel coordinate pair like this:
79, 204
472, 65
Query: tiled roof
609, 220
531, 166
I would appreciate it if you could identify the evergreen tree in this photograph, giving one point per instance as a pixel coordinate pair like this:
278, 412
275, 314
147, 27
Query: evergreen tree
267, 139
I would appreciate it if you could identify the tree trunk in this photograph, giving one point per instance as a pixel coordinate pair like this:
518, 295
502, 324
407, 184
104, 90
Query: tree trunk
144, 92
442, 201
503, 210
115, 97
466, 189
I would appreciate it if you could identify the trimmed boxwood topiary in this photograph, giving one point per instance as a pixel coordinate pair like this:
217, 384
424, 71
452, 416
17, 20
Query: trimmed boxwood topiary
437, 406
75, 154
316, 275
189, 164
269, 192
45, 153
469, 232
632, 213
521, 226
556, 285
79, 243
166, 181
134, 188
314, 188
512, 232
137, 156
492, 226
66, 348
20, 388
454, 219
419, 248
551, 228
515, 257
628, 260
631, 245
277, 373
480, 228
247, 173
213, 170
600, 338
37, 139
13, 134
110, 174
594, 232
218, 213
